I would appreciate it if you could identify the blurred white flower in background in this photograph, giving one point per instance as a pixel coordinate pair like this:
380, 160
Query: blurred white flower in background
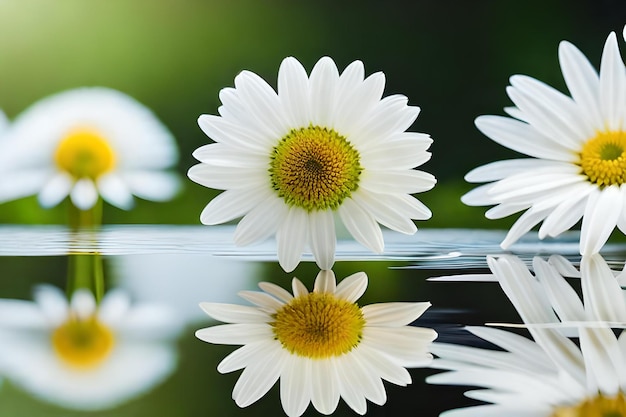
182, 281
85, 356
86, 143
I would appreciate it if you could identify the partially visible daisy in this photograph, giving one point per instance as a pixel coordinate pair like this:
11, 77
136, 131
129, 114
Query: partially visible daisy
551, 376
88, 143
577, 147
322, 148
320, 344
85, 356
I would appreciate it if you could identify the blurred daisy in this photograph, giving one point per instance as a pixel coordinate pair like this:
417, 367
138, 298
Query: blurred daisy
320, 344
578, 150
87, 143
82, 356
321, 146
551, 376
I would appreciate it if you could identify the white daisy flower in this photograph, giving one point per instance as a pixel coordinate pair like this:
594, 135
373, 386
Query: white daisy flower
321, 146
88, 143
551, 376
320, 344
577, 147
85, 356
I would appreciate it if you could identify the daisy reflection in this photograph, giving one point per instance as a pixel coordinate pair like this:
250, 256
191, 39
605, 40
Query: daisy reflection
552, 375
85, 356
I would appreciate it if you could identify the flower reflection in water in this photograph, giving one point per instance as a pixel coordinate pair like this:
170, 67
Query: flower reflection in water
553, 375
83, 355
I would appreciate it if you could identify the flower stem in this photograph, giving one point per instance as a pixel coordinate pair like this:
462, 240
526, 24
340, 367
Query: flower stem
85, 270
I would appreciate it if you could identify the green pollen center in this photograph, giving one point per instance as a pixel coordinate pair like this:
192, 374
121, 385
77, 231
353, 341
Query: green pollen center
603, 158
314, 168
598, 406
319, 325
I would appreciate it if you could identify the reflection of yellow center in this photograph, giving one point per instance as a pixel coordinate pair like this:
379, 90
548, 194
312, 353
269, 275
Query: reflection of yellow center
314, 168
83, 343
599, 406
319, 325
84, 154
603, 158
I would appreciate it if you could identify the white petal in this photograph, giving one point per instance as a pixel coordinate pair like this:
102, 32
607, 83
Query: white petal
298, 288
20, 184
278, 292
267, 302
562, 296
612, 85
55, 190
361, 225
84, 194
261, 221
567, 213
295, 385
232, 313
325, 282
603, 296
291, 238
601, 214
522, 137
227, 177
236, 334
501, 169
259, 376
152, 185
262, 102
324, 386
582, 81
229, 205
323, 86
526, 221
234, 134
352, 287
83, 303
293, 90
384, 212
114, 191
393, 314
323, 239
549, 111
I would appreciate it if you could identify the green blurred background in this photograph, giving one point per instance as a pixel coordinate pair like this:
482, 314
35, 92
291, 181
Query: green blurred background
451, 58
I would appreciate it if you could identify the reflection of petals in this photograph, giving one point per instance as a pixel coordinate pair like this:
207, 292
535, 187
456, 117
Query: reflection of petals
320, 344
141, 356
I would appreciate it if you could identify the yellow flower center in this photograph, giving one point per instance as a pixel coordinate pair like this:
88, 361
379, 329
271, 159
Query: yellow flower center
84, 154
319, 325
314, 168
599, 406
603, 158
83, 343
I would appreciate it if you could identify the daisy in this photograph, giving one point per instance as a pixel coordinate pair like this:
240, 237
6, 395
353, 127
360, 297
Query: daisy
320, 344
551, 376
322, 148
577, 147
85, 356
87, 143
